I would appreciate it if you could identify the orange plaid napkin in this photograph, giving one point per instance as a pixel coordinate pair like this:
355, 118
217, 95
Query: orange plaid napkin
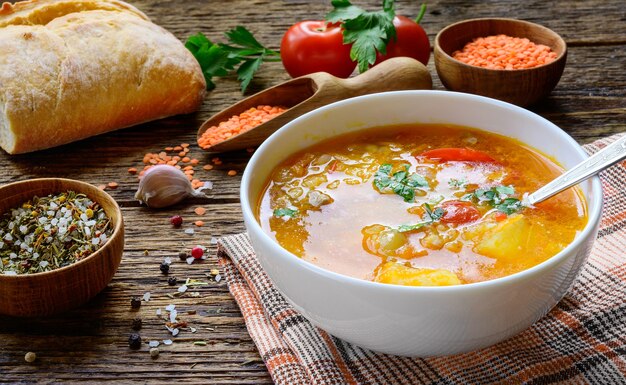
582, 340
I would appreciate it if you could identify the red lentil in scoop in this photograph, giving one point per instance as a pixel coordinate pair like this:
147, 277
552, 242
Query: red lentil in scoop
502, 52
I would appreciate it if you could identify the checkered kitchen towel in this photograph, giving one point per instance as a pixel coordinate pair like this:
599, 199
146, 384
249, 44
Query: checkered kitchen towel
581, 341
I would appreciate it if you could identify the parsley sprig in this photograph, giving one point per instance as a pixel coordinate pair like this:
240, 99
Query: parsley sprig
499, 197
368, 32
243, 52
401, 182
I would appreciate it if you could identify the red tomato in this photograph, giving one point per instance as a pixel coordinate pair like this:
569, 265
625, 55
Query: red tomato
458, 154
411, 40
314, 46
459, 212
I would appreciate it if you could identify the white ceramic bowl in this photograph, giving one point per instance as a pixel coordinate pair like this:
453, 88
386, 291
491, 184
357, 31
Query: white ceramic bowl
418, 321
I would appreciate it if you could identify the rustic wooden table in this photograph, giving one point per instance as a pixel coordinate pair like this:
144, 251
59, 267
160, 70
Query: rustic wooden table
90, 344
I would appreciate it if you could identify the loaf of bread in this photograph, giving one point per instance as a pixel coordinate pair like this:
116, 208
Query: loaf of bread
70, 69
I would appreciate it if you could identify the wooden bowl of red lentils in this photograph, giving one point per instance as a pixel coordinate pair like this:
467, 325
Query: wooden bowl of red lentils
61, 242
508, 59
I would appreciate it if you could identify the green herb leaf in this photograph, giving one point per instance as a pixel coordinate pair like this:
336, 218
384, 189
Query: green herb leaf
246, 72
416, 180
407, 228
343, 10
433, 215
285, 212
368, 32
219, 60
401, 182
510, 206
499, 197
457, 183
241, 36
382, 178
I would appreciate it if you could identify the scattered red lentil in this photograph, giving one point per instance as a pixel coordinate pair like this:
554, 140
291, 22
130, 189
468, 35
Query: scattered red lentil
238, 124
250, 150
132, 171
112, 185
502, 52
102, 187
232, 173
200, 210
187, 163
207, 167
199, 223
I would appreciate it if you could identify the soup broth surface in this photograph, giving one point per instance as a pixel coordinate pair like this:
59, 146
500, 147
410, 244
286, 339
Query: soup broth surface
421, 205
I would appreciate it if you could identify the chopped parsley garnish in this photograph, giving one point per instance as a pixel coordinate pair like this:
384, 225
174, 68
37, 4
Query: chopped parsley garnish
401, 182
430, 216
433, 215
498, 197
457, 184
285, 212
407, 228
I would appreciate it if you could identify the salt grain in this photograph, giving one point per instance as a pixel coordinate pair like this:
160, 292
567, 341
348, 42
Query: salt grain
146, 297
158, 311
173, 315
189, 231
167, 342
182, 289
175, 332
170, 307
190, 260
153, 344
218, 278
214, 241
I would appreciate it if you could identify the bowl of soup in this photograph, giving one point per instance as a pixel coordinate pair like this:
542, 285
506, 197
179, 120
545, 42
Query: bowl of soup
396, 221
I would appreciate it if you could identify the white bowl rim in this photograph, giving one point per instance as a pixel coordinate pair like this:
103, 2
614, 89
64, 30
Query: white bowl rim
594, 207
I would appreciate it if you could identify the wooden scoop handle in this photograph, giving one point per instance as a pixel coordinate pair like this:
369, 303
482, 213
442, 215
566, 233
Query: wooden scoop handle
400, 73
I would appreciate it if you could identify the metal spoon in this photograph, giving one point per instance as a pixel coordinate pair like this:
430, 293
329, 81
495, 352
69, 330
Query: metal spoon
604, 158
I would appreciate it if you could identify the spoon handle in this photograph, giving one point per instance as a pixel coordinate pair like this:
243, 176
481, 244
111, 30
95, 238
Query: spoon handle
589, 167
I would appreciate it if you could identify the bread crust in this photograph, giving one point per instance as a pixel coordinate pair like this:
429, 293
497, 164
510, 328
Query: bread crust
88, 72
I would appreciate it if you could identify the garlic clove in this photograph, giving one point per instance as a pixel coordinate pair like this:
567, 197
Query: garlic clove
164, 185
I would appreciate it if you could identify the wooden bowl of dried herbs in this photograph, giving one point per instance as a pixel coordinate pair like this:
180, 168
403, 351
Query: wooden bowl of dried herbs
61, 242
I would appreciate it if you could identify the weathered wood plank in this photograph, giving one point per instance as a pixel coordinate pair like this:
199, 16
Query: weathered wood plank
89, 344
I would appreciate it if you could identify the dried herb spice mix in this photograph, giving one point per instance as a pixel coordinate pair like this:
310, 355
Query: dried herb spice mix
47, 233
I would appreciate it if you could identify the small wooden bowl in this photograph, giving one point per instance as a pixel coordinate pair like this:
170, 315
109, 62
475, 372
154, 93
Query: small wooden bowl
58, 290
522, 87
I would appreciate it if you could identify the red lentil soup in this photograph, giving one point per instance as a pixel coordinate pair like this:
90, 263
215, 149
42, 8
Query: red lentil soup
419, 205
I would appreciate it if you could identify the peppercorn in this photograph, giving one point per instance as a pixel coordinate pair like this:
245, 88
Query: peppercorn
154, 352
183, 256
176, 221
135, 303
137, 324
134, 341
30, 357
197, 252
165, 268
172, 281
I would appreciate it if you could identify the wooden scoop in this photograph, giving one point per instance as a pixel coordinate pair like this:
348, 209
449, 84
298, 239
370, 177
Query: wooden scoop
309, 92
